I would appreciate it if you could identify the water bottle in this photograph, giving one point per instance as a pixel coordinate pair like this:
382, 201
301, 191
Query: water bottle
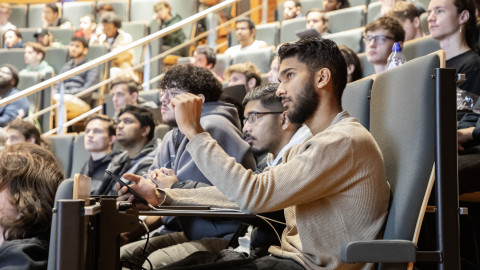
396, 58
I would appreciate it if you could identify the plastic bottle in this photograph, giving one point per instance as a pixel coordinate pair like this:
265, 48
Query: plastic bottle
396, 58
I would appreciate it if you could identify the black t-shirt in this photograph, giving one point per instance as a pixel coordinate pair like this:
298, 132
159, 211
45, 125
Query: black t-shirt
467, 63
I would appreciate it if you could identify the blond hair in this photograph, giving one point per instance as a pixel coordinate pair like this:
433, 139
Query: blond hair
248, 69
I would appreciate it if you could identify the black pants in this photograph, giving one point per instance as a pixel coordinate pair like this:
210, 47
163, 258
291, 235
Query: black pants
469, 170
228, 259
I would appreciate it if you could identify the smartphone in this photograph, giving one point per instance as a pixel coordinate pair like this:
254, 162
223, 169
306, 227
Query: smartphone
116, 178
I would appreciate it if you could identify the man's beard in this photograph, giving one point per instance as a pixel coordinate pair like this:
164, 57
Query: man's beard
258, 151
171, 123
76, 56
305, 105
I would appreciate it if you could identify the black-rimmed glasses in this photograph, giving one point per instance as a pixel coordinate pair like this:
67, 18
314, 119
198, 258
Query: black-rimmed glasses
253, 117
172, 92
379, 39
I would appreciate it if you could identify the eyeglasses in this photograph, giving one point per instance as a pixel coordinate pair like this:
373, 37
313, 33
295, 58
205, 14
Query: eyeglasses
379, 39
172, 92
253, 117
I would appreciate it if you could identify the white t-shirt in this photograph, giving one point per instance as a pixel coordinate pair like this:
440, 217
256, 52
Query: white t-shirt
7, 26
233, 51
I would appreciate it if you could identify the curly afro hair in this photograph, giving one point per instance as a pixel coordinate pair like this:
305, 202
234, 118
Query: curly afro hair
195, 80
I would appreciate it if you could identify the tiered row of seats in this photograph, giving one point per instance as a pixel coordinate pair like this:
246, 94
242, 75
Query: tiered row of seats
139, 24
387, 119
30, 16
135, 21
345, 26
64, 146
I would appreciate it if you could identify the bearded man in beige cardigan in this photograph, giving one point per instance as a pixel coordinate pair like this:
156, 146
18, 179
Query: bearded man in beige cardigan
332, 187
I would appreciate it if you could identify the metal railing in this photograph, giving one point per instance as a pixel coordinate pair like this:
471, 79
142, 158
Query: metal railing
111, 55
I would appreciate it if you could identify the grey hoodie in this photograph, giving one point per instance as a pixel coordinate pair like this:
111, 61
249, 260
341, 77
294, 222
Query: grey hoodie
221, 120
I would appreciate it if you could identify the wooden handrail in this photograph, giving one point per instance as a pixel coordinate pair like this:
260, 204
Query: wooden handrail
113, 54
74, 120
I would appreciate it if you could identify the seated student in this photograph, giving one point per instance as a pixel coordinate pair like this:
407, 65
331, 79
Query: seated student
222, 121
45, 38
20, 131
453, 24
87, 27
379, 37
273, 72
332, 187
407, 14
292, 9
331, 5
245, 33
135, 128
205, 57
387, 6
12, 38
104, 8
29, 178
317, 19
51, 17
34, 58
98, 141
268, 131
5, 12
163, 13
113, 38
77, 105
124, 92
244, 73
8, 84
77, 51
354, 69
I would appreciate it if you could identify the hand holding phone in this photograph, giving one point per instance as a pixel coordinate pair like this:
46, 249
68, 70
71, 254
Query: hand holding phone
123, 184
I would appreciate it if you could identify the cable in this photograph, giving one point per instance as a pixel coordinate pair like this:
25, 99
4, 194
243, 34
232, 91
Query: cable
146, 243
271, 219
130, 264
266, 219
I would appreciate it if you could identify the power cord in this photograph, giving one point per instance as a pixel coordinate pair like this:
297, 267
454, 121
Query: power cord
267, 219
146, 243
145, 256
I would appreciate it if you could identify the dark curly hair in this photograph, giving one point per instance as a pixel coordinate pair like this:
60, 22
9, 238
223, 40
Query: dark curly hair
30, 175
195, 80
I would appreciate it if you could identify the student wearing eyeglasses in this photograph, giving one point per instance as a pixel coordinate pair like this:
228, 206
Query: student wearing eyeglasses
173, 160
331, 188
379, 37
